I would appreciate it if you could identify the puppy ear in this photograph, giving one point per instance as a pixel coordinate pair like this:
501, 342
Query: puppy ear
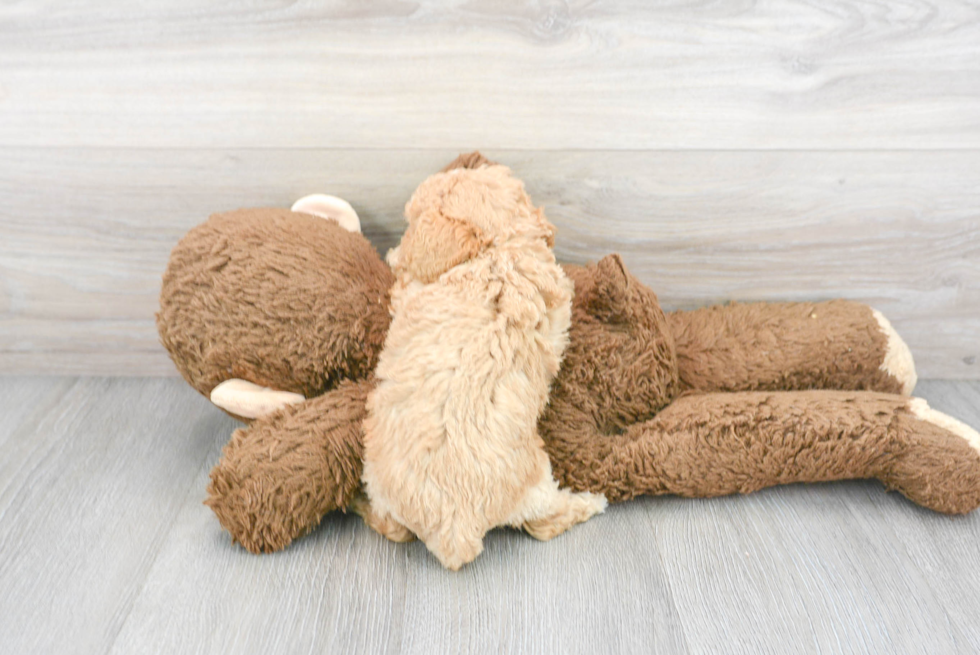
434, 243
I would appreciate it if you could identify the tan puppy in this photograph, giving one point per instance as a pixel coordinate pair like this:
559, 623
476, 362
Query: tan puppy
480, 317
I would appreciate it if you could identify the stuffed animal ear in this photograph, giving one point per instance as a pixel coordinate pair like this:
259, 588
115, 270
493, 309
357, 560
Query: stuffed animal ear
434, 243
330, 207
613, 271
610, 299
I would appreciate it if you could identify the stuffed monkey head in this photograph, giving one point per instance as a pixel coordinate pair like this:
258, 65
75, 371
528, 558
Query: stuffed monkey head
282, 299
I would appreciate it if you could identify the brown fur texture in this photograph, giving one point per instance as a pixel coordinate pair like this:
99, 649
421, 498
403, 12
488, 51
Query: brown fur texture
279, 476
711, 444
827, 345
281, 299
722, 443
622, 419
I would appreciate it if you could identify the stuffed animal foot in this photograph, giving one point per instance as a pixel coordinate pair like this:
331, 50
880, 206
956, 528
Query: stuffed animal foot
921, 409
897, 360
939, 466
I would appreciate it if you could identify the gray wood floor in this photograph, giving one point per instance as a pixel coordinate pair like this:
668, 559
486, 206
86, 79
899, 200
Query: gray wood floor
106, 547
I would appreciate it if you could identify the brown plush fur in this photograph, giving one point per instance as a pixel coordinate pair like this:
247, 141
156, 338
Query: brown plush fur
281, 299
721, 443
615, 424
279, 476
827, 345
709, 444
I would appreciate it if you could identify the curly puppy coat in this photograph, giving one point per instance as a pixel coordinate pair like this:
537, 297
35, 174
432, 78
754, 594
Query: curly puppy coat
480, 317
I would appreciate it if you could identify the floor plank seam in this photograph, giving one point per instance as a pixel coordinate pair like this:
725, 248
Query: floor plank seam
33, 420
158, 549
669, 585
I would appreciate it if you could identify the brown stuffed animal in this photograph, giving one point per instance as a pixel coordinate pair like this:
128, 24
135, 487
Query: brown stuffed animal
703, 403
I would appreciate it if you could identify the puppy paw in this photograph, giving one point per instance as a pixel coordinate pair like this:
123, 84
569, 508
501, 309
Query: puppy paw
330, 207
386, 526
574, 508
458, 554
898, 358
597, 502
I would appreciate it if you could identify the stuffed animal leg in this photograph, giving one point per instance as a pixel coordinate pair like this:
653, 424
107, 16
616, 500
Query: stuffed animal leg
278, 477
737, 441
714, 444
790, 346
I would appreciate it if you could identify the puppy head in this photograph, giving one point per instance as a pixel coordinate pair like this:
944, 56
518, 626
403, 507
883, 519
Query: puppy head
454, 216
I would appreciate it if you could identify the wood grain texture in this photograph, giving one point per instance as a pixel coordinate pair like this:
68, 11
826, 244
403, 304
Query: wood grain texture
106, 547
28, 400
85, 233
546, 75
91, 478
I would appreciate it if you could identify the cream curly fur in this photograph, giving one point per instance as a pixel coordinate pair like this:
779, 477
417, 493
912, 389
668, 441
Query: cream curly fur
480, 316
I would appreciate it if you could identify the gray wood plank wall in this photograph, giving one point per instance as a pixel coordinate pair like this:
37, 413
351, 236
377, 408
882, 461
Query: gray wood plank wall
730, 151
